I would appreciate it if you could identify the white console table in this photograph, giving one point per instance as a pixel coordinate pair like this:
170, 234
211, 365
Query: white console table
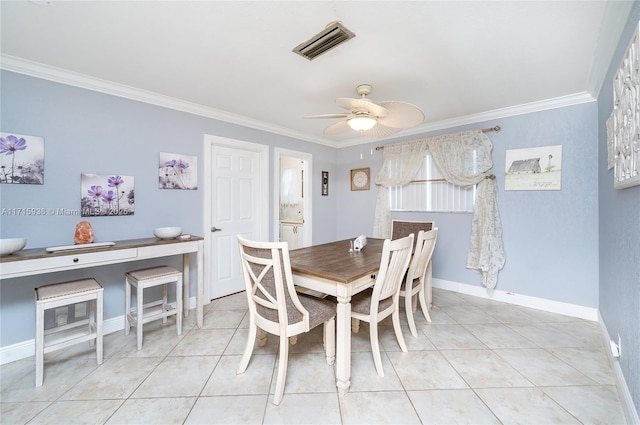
35, 261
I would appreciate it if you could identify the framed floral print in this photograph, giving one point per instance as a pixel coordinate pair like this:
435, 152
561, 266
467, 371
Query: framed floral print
21, 159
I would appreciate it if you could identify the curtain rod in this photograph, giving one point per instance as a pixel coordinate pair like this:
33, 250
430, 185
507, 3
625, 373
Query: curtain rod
490, 177
484, 130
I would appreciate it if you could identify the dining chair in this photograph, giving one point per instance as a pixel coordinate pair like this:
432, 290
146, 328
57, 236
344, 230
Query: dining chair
276, 308
416, 279
402, 228
376, 304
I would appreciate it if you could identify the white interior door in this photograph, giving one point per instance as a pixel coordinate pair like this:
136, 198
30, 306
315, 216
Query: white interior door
236, 207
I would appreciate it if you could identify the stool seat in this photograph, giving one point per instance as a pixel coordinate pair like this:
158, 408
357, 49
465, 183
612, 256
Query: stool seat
67, 288
64, 294
154, 273
148, 278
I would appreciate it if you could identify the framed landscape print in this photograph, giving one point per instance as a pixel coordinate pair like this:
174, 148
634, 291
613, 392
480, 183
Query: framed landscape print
533, 168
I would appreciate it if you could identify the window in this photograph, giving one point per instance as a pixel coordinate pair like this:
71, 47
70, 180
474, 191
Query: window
432, 196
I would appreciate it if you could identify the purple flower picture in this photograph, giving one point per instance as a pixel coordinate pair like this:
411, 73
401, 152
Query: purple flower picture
107, 195
21, 159
177, 171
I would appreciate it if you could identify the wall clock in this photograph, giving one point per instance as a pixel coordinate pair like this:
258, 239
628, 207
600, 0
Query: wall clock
360, 179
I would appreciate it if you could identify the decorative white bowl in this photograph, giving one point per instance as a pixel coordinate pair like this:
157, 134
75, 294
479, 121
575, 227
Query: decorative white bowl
167, 232
9, 246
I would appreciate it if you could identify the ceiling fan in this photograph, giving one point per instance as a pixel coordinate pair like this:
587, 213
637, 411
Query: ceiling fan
373, 119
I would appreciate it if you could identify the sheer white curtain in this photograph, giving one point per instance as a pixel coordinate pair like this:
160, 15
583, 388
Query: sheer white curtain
401, 163
464, 159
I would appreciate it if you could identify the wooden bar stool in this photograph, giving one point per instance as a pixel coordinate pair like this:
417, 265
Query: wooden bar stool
63, 294
148, 278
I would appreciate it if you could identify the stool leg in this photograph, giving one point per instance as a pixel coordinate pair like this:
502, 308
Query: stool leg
39, 343
99, 314
165, 301
127, 307
139, 314
179, 305
92, 320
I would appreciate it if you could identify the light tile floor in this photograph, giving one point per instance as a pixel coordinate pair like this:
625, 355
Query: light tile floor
478, 362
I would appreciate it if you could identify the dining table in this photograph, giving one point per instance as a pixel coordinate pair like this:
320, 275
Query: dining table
335, 269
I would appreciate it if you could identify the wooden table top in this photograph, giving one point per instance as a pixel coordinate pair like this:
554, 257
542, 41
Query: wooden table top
34, 253
333, 260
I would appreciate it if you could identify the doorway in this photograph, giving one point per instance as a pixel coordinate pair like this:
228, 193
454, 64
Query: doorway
293, 212
236, 202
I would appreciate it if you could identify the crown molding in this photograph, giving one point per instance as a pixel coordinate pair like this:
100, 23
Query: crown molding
614, 20
34, 69
527, 108
45, 72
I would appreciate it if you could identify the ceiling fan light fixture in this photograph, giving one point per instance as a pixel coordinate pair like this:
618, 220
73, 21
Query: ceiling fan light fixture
361, 123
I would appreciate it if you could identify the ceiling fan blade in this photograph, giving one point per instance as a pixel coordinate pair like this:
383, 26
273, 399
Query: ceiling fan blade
401, 115
365, 104
378, 131
329, 116
337, 128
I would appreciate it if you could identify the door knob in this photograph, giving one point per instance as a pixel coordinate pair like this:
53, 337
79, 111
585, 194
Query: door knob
215, 229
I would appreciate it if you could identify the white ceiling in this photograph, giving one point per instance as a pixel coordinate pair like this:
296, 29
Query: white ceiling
460, 62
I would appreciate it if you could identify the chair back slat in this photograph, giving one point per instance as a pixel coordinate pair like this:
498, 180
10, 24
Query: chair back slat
393, 267
425, 244
269, 282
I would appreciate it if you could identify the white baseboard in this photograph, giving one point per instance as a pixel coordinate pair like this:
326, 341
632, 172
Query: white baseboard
630, 412
25, 349
573, 310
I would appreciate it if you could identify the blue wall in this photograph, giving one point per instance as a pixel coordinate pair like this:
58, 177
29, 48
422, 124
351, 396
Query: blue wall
619, 238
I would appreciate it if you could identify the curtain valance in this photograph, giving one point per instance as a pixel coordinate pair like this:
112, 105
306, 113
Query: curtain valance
464, 159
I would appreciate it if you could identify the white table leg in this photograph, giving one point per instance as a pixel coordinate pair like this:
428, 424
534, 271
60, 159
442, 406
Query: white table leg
343, 345
185, 284
200, 284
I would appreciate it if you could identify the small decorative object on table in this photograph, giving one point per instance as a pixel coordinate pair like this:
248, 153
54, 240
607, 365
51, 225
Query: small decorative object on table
167, 232
9, 246
84, 233
359, 243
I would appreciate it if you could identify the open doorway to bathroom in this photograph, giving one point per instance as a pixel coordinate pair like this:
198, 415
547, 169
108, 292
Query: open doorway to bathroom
293, 212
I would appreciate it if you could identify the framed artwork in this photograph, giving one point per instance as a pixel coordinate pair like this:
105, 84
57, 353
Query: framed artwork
360, 179
533, 168
626, 118
106, 195
611, 146
176, 171
325, 183
21, 159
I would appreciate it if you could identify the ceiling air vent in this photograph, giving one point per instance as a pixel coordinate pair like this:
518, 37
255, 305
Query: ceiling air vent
333, 35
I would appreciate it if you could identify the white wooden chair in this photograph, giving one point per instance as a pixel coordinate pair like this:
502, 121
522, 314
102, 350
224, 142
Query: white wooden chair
402, 228
64, 294
382, 301
276, 308
417, 275
161, 309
